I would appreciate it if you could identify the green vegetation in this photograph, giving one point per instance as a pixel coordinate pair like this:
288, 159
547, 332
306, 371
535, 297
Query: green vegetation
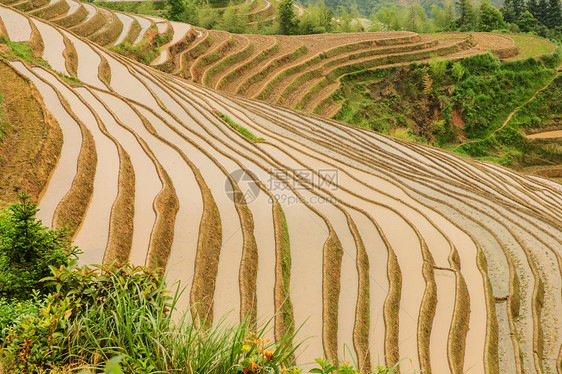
151, 8
242, 130
287, 22
83, 317
457, 105
21, 50
67, 79
531, 47
141, 52
28, 250
324, 16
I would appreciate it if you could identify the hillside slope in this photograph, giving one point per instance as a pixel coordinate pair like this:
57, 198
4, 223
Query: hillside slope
391, 248
294, 71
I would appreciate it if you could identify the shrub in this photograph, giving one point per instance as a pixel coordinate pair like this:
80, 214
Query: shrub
102, 312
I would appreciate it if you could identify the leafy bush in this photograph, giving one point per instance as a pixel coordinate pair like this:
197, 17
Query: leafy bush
13, 310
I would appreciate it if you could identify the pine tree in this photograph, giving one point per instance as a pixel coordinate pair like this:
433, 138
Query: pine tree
554, 18
288, 21
27, 249
542, 12
533, 7
519, 7
512, 10
467, 17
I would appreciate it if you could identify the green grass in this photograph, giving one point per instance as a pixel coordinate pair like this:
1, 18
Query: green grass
242, 130
67, 79
149, 8
20, 50
229, 61
142, 52
530, 46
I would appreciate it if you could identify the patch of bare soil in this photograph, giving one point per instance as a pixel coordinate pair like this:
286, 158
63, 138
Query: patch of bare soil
33, 141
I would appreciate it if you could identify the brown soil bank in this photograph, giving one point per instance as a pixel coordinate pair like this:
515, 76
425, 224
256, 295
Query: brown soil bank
31, 138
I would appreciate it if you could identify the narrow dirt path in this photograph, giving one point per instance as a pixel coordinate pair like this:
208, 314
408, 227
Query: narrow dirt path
558, 72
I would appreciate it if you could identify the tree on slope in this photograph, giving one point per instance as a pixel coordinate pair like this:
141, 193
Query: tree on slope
444, 18
554, 14
175, 9
490, 18
541, 12
512, 10
527, 22
467, 16
235, 19
287, 19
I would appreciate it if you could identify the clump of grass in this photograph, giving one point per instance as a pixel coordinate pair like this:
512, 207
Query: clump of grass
143, 52
68, 79
20, 50
242, 130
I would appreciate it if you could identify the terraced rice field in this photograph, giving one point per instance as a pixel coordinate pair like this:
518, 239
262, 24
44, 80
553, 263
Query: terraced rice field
300, 72
390, 248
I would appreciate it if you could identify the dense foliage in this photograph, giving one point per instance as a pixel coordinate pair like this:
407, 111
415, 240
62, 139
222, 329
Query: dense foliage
539, 17
447, 103
28, 250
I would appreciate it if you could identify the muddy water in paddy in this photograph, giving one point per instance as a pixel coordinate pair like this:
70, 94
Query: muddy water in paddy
227, 292
446, 291
88, 62
91, 11
437, 245
378, 282
346, 322
74, 6
182, 256
416, 291
92, 235
264, 236
475, 284
161, 23
64, 173
301, 243
94, 232
17, 26
128, 85
180, 30
349, 281
127, 22
439, 248
53, 55
145, 24
147, 183
306, 274
505, 345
